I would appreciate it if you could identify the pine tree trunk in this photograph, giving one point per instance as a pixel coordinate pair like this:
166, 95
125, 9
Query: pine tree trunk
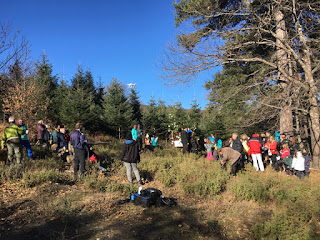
286, 119
313, 101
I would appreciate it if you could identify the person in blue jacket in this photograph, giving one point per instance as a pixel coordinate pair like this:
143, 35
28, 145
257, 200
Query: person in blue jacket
134, 133
24, 139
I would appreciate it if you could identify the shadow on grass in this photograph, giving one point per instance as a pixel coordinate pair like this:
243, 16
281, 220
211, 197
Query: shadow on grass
154, 223
164, 223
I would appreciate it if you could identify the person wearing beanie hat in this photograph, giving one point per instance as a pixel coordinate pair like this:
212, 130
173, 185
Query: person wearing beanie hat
134, 133
12, 139
130, 156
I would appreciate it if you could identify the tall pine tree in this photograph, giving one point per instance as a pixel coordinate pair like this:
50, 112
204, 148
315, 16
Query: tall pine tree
117, 112
135, 106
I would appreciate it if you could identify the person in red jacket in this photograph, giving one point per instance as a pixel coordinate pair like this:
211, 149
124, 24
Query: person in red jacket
271, 145
255, 151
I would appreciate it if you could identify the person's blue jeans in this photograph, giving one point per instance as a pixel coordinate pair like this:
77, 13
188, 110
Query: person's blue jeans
26, 144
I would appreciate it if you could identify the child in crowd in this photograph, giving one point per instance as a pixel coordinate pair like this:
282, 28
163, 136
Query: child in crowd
208, 145
286, 159
298, 164
307, 160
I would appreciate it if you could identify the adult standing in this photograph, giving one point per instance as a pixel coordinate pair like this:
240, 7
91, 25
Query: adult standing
78, 141
271, 145
55, 138
244, 141
134, 133
236, 143
185, 140
255, 151
12, 140
40, 132
154, 141
139, 134
24, 139
130, 156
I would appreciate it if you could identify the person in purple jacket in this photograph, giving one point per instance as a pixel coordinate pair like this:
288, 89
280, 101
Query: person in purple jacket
78, 141
41, 128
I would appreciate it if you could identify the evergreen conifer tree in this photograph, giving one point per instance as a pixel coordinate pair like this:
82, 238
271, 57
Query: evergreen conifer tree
48, 82
116, 109
135, 106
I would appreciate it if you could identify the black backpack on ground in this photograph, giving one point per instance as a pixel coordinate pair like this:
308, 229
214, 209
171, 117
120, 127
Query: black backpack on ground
151, 197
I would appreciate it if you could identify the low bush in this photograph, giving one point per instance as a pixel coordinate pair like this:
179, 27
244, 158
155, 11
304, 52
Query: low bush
34, 178
12, 172
283, 226
251, 187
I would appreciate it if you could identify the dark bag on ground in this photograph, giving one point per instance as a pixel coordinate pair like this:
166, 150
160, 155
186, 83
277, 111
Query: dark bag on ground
151, 197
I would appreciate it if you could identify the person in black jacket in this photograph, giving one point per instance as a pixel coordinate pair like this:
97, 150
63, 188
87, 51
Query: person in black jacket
236, 143
185, 140
130, 156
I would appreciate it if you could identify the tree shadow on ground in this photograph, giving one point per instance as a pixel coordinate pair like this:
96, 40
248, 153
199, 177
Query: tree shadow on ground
163, 223
65, 227
153, 223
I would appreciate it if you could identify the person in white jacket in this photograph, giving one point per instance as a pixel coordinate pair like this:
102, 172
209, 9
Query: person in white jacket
298, 164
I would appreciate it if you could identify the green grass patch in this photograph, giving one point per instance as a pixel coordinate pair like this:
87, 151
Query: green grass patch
34, 178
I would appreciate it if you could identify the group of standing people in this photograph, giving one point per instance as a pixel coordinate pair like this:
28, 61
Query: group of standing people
56, 139
259, 149
14, 138
189, 143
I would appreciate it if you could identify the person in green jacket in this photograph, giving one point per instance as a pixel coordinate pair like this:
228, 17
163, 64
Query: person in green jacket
12, 139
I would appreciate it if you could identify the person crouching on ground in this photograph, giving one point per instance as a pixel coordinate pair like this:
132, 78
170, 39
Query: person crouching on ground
130, 156
78, 141
227, 154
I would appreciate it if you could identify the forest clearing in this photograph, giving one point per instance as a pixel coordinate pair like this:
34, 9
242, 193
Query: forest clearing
39, 200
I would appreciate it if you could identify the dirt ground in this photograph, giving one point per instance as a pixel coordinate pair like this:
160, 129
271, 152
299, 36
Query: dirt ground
72, 211
63, 211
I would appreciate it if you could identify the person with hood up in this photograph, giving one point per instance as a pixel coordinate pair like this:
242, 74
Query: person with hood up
130, 156
255, 152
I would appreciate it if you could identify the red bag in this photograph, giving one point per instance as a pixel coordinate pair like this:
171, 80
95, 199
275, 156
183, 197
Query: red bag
94, 158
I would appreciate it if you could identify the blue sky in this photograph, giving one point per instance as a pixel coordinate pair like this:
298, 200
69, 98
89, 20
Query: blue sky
121, 39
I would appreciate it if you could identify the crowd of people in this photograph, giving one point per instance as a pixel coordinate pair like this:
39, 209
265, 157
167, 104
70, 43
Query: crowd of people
281, 152
58, 140
260, 150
